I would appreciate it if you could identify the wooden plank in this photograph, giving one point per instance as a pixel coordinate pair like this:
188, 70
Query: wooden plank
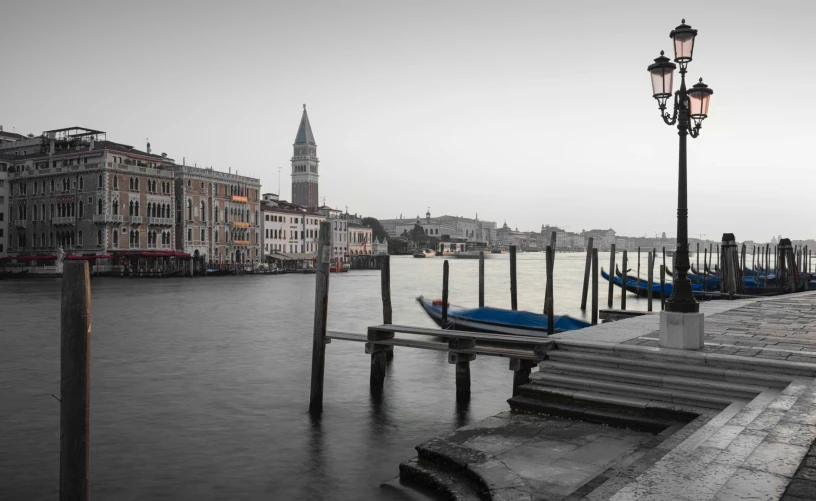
75, 371
480, 336
321, 311
494, 351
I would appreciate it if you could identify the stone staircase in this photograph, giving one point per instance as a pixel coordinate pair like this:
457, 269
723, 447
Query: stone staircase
758, 415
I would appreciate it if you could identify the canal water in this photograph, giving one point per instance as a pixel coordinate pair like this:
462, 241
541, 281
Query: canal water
200, 387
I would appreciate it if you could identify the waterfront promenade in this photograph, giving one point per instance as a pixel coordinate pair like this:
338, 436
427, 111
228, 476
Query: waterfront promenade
735, 420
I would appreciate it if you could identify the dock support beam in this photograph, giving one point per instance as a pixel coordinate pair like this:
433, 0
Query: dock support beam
75, 393
513, 290
462, 362
521, 373
590, 242
385, 286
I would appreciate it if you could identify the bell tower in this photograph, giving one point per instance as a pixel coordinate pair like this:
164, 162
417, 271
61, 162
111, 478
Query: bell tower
305, 166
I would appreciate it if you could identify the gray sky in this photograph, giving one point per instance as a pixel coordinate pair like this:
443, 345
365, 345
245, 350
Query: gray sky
530, 112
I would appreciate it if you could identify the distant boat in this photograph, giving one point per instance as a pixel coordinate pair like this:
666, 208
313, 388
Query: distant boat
497, 320
425, 253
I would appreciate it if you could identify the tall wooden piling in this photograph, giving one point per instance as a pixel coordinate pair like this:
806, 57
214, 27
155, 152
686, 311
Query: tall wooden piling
445, 272
586, 273
481, 279
697, 256
611, 274
638, 273
75, 390
547, 296
321, 311
513, 290
624, 264
705, 264
385, 287
594, 286
549, 306
662, 287
650, 278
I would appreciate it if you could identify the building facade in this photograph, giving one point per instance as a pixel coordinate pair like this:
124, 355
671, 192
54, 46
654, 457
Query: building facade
473, 230
72, 189
305, 166
217, 215
289, 229
359, 240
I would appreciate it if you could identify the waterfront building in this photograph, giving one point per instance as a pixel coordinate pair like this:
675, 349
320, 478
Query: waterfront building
359, 240
4, 199
602, 239
288, 228
305, 166
561, 240
473, 230
72, 189
379, 247
339, 237
218, 219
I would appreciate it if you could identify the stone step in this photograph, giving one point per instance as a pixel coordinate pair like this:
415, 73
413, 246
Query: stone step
397, 489
700, 358
703, 385
694, 398
432, 476
657, 366
553, 404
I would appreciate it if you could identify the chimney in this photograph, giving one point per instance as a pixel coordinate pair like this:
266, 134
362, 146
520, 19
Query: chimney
51, 147
148, 147
92, 143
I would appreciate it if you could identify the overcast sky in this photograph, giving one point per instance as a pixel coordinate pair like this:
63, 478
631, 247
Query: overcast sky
530, 112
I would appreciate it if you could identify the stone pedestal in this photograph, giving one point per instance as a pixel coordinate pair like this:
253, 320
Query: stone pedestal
682, 331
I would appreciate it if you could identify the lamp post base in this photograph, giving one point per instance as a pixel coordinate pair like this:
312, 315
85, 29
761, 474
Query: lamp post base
681, 331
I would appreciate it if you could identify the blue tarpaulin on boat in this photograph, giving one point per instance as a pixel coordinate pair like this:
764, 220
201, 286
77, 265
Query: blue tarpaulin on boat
509, 318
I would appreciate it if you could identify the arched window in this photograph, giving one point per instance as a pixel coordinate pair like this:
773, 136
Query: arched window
131, 184
52, 211
115, 239
99, 237
203, 211
82, 207
51, 239
136, 184
81, 183
116, 207
80, 237
35, 240
136, 209
130, 210
99, 181
35, 213
189, 209
115, 182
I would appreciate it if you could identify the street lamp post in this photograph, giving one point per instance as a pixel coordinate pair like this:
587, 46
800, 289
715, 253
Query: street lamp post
689, 105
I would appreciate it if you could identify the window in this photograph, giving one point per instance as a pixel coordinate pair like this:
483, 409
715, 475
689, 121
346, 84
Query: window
99, 181
215, 235
81, 183
131, 184
189, 209
116, 207
79, 237
203, 211
81, 207
189, 234
115, 239
202, 234
115, 182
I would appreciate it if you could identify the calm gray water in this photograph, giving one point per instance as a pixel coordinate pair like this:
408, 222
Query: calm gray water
200, 387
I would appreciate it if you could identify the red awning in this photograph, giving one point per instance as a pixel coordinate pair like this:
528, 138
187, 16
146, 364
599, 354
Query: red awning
49, 257
181, 254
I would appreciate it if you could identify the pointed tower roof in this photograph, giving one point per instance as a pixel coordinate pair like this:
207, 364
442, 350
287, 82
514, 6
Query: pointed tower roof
304, 133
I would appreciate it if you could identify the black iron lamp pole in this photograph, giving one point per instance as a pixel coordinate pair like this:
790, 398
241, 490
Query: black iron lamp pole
688, 105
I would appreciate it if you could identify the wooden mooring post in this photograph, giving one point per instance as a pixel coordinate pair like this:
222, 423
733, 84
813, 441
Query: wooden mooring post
624, 264
697, 256
75, 372
513, 290
549, 294
481, 279
445, 273
586, 273
638, 273
321, 311
611, 274
662, 287
594, 286
385, 287
650, 277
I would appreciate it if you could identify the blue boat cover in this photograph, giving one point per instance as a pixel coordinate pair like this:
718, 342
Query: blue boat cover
509, 318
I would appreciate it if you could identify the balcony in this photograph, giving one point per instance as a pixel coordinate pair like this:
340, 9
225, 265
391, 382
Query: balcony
107, 218
21, 223
160, 221
239, 224
134, 219
238, 198
241, 242
63, 221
